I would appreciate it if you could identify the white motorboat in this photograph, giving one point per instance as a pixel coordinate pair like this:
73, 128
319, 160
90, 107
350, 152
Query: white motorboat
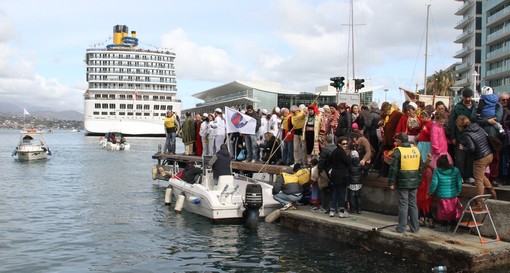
114, 142
233, 197
31, 146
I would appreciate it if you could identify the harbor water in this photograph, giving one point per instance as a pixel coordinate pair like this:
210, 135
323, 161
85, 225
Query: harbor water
87, 209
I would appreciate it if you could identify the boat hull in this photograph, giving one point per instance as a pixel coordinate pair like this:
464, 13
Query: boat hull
32, 155
218, 202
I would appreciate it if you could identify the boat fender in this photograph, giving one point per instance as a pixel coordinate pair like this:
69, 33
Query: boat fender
154, 172
168, 196
273, 216
194, 200
179, 203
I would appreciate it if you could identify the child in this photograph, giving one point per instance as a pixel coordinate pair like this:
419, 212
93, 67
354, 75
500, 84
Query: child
423, 199
355, 175
446, 185
488, 107
314, 177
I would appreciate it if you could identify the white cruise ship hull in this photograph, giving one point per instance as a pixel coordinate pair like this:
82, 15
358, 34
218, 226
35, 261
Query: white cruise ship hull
95, 126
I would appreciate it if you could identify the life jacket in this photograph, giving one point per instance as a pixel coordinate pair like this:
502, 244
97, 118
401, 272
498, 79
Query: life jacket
409, 158
170, 122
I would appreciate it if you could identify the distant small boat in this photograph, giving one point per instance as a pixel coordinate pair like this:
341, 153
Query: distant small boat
114, 141
31, 146
74, 130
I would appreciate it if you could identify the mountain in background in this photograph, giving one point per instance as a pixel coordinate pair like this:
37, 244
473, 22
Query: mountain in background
43, 112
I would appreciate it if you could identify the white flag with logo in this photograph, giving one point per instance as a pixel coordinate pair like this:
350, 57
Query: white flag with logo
237, 122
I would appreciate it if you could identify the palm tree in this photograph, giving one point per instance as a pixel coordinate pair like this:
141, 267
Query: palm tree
440, 83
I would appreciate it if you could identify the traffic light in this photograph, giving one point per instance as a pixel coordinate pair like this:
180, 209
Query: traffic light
337, 82
358, 84
341, 82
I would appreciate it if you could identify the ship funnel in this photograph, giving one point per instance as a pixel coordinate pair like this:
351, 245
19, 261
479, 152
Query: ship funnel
118, 34
133, 34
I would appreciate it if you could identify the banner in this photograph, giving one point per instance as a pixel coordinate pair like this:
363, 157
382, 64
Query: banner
237, 122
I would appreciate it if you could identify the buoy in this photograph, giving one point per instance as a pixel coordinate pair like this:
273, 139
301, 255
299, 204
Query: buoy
179, 203
273, 216
168, 196
194, 200
154, 172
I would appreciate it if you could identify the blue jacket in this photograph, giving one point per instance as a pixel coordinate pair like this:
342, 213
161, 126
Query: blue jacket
446, 183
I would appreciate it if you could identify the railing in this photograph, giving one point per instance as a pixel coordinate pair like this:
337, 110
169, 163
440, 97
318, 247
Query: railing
495, 35
498, 70
500, 14
498, 51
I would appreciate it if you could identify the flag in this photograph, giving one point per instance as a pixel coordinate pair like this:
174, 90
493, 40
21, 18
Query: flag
135, 95
25, 112
237, 122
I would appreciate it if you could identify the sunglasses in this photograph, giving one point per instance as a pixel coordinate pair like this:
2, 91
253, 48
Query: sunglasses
504, 99
343, 143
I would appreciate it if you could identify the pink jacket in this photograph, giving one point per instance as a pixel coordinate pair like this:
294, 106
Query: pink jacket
438, 143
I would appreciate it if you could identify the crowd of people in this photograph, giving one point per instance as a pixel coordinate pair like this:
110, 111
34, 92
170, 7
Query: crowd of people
340, 143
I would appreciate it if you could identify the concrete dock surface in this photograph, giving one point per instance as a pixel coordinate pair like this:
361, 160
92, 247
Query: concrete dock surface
462, 252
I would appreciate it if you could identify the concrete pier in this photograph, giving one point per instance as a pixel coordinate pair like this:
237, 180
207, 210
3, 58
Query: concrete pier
373, 231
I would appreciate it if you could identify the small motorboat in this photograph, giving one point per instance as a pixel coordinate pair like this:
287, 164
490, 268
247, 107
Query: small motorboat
114, 141
32, 146
231, 197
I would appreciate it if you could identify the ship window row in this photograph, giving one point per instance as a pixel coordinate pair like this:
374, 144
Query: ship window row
132, 57
130, 97
129, 114
131, 64
115, 86
157, 72
130, 79
123, 106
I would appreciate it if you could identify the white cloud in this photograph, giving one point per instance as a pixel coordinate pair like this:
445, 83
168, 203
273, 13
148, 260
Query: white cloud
299, 43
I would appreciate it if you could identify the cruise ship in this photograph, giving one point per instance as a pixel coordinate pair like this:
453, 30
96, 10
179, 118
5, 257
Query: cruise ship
129, 89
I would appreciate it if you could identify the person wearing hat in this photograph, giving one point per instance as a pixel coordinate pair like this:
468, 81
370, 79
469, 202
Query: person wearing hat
311, 132
203, 134
489, 115
463, 159
219, 128
405, 175
410, 123
171, 125
392, 116
275, 122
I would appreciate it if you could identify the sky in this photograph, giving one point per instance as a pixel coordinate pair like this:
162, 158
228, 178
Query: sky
297, 43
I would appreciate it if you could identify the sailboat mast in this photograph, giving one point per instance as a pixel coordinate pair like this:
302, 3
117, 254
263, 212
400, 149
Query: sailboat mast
426, 51
352, 37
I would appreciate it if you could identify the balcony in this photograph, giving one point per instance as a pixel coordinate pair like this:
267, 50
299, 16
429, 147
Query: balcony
463, 52
465, 7
499, 53
498, 35
498, 17
464, 22
464, 36
462, 67
497, 71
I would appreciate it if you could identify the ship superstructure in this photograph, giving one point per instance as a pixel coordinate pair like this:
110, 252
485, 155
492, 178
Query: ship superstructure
129, 89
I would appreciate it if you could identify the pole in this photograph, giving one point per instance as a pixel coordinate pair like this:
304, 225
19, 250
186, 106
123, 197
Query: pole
426, 51
352, 38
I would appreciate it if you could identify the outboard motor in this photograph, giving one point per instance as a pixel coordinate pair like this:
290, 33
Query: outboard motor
252, 204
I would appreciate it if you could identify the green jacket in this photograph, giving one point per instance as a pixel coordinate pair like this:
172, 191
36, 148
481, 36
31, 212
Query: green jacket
459, 110
446, 183
408, 179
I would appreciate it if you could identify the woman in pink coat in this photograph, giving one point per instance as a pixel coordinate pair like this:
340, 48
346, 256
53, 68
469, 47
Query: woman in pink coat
438, 142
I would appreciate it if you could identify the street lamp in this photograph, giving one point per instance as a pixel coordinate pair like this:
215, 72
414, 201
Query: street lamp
475, 76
